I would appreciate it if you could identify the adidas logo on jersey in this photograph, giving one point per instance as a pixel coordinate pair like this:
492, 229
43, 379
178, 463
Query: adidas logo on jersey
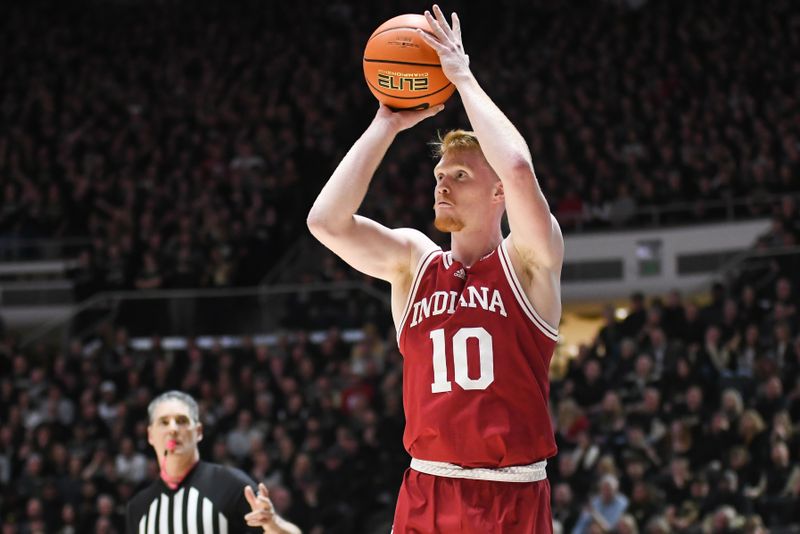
461, 273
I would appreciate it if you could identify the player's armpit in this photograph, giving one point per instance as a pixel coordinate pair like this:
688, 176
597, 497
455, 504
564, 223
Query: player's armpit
538, 244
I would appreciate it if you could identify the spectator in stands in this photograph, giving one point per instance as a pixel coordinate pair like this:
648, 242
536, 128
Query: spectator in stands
725, 519
596, 209
605, 508
642, 378
777, 492
627, 525
676, 484
565, 510
131, 465
621, 368
645, 503
623, 207
637, 315
590, 386
753, 435
609, 335
729, 493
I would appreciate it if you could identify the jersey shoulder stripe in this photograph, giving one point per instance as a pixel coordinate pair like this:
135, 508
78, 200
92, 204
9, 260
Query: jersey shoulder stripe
521, 297
447, 259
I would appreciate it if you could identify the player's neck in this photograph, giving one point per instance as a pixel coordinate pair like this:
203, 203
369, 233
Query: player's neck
469, 247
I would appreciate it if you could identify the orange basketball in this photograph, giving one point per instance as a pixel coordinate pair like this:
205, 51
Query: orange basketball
401, 69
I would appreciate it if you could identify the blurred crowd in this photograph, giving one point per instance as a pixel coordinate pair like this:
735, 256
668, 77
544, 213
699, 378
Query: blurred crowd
187, 139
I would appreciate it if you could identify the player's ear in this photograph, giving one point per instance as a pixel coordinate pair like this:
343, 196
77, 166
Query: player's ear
498, 193
199, 432
150, 435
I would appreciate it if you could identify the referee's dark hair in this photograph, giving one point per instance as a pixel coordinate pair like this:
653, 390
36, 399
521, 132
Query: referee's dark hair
188, 400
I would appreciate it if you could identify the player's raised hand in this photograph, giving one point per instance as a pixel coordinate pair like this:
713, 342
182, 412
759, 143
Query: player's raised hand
402, 120
263, 513
447, 43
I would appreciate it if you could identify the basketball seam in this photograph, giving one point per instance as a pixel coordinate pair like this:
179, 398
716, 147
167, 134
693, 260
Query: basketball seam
402, 62
400, 28
410, 97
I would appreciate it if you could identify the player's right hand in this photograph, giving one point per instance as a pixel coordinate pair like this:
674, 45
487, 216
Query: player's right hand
403, 120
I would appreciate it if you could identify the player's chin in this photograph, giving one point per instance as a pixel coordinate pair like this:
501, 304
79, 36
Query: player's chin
447, 223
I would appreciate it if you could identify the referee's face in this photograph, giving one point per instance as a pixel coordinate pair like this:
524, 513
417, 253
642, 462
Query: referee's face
172, 422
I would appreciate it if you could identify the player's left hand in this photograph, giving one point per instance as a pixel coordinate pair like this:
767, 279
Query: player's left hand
454, 61
263, 514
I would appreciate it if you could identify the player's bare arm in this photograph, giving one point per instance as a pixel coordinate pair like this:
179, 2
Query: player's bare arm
538, 246
366, 245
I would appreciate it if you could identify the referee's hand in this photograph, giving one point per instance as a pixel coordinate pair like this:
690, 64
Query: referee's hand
263, 514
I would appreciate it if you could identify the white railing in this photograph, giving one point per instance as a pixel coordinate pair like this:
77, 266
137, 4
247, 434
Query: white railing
194, 311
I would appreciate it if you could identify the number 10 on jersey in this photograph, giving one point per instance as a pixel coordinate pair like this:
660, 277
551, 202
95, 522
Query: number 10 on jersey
460, 360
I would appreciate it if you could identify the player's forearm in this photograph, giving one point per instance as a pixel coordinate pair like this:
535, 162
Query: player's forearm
341, 197
502, 144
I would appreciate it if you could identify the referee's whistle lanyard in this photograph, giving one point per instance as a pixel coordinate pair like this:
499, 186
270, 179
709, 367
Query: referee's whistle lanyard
172, 482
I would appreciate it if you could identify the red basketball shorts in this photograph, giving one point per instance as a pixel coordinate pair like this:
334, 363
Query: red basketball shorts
429, 504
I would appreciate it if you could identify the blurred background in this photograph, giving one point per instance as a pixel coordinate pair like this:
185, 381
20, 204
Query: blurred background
157, 160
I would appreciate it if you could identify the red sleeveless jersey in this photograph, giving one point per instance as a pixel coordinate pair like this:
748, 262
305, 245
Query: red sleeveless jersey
475, 365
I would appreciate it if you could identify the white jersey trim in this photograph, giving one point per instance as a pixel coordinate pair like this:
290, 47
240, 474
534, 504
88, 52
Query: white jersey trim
516, 473
447, 259
422, 265
522, 298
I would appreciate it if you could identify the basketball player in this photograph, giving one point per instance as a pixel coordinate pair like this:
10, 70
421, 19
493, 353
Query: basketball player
476, 324
191, 495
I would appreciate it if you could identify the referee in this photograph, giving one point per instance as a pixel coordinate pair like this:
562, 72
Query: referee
192, 496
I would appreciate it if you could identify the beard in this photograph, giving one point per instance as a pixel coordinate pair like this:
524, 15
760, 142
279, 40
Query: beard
448, 223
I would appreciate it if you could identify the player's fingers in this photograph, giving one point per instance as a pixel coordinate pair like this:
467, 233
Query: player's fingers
432, 41
430, 112
251, 497
440, 18
456, 26
442, 21
438, 31
262, 490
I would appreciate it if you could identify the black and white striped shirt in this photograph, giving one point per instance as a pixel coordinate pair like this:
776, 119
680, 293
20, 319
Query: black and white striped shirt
210, 500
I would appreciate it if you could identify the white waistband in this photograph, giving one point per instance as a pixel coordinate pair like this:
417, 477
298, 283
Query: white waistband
514, 473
